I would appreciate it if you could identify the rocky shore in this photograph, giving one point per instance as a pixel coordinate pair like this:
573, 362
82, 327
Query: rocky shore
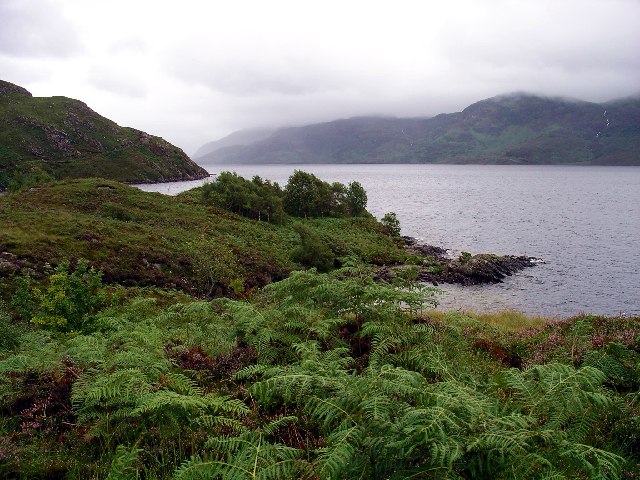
435, 266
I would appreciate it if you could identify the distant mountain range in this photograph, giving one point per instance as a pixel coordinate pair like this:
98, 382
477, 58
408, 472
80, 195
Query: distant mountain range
62, 137
509, 129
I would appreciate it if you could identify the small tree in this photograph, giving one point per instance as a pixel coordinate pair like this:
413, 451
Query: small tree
356, 199
312, 252
391, 223
302, 194
214, 264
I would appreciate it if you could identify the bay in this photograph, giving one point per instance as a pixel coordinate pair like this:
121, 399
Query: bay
584, 222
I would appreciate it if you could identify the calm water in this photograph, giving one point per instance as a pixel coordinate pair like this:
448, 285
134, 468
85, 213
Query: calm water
583, 221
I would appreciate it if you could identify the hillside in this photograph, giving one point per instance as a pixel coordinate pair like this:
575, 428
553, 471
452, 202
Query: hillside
61, 137
148, 239
508, 129
241, 137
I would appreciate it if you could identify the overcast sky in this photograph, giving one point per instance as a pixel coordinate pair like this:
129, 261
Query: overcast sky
194, 71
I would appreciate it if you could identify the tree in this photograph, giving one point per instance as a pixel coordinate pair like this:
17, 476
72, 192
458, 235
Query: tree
302, 195
307, 196
391, 223
256, 198
356, 199
214, 264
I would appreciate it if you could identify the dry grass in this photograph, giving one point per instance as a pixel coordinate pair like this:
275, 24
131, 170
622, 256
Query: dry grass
506, 321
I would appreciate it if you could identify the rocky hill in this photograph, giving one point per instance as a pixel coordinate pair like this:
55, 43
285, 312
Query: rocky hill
61, 137
508, 129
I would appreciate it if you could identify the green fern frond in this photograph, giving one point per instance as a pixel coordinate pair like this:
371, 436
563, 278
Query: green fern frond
220, 421
181, 384
340, 452
124, 464
596, 462
273, 426
378, 408
250, 371
95, 396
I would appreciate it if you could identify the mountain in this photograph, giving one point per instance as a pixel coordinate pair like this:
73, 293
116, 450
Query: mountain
61, 137
241, 137
508, 129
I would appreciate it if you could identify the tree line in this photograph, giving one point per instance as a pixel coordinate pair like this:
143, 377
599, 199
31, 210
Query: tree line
304, 195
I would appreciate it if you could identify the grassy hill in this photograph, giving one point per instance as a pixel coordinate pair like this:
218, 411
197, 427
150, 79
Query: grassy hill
63, 138
149, 239
509, 129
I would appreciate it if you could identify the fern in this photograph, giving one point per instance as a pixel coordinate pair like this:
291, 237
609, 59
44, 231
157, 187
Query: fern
559, 395
124, 464
337, 458
248, 456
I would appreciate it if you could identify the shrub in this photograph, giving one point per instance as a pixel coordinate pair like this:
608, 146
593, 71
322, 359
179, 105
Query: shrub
214, 264
391, 223
70, 300
312, 252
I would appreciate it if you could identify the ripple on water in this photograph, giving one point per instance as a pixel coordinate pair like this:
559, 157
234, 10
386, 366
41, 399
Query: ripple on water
583, 221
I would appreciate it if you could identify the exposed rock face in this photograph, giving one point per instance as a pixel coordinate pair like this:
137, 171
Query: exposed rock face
7, 88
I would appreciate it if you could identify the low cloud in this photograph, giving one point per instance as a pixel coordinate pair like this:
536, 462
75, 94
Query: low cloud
119, 83
32, 28
195, 71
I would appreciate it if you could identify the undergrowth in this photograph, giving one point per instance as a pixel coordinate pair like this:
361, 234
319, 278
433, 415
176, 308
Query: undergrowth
318, 376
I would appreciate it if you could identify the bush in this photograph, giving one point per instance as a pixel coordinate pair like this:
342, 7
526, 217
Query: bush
312, 252
214, 264
391, 223
70, 300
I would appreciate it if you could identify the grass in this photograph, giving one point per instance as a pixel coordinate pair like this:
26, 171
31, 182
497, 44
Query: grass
64, 138
507, 321
143, 238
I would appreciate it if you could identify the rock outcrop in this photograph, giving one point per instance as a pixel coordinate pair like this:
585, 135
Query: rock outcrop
437, 267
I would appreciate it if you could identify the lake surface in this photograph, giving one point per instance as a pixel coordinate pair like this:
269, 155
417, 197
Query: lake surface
584, 222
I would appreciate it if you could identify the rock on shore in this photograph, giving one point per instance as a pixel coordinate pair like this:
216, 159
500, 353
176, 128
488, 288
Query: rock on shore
437, 267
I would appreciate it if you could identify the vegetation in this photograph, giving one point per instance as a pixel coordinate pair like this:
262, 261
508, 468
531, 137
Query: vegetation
258, 199
318, 376
305, 195
58, 137
391, 223
147, 239
508, 129
145, 336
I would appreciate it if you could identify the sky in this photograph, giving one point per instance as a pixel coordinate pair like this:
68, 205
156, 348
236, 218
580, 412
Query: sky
194, 71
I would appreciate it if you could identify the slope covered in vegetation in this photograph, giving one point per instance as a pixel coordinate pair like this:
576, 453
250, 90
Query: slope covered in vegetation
149, 239
112, 364
58, 137
319, 376
516, 129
